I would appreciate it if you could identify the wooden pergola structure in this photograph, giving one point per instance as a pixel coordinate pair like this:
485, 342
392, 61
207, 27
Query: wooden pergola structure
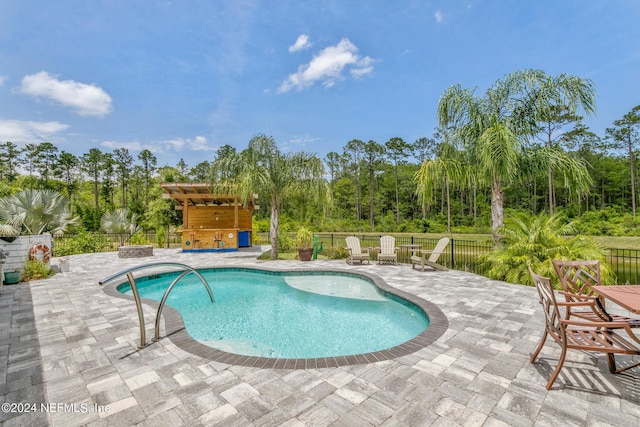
211, 222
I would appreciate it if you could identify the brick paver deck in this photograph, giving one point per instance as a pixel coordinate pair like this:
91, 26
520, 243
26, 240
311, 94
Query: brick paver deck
67, 344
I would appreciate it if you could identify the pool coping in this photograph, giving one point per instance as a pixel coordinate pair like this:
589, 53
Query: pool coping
177, 334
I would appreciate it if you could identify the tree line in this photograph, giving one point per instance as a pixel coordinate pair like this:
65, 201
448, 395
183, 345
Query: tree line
521, 146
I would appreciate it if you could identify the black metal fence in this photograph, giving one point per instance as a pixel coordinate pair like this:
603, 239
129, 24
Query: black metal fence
88, 242
459, 254
625, 264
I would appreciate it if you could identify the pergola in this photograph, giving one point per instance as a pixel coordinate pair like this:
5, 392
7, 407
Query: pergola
211, 222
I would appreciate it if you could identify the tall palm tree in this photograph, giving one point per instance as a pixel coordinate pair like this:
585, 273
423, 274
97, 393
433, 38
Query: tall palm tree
494, 128
263, 169
34, 211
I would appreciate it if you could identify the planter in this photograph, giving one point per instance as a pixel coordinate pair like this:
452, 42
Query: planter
305, 254
135, 251
11, 277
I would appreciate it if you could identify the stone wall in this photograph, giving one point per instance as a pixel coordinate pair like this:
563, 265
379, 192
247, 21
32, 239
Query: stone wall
135, 251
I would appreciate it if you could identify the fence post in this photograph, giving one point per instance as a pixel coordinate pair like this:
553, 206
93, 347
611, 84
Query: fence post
453, 259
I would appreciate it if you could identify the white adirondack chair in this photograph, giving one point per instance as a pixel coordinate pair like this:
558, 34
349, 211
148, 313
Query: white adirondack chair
388, 251
355, 252
420, 256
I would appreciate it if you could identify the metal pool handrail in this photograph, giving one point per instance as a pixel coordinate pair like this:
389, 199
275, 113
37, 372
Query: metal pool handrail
136, 295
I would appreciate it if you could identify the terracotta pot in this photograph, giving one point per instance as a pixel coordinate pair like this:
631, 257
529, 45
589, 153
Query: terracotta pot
305, 254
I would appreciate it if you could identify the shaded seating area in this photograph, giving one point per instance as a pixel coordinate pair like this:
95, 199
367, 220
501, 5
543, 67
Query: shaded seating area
429, 258
355, 251
211, 222
606, 337
195, 242
388, 253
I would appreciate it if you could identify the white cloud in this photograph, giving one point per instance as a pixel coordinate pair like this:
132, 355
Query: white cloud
365, 66
2, 80
28, 132
302, 42
199, 143
85, 99
176, 145
438, 16
298, 143
301, 141
131, 146
328, 66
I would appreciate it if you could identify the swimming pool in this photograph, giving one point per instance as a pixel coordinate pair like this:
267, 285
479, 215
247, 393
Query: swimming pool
289, 315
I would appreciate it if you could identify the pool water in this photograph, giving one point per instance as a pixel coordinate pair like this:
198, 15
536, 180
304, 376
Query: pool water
288, 315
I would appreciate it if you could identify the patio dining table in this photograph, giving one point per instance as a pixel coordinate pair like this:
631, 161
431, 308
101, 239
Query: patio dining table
626, 296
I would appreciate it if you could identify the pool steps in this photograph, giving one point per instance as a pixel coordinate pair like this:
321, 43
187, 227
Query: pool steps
136, 296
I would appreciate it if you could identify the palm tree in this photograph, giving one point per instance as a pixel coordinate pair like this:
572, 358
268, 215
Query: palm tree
557, 99
120, 222
494, 128
536, 241
263, 169
444, 170
34, 211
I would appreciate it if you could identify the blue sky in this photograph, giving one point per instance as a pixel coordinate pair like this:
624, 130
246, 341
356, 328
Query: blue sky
184, 77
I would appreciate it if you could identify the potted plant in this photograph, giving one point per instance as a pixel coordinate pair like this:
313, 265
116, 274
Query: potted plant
11, 277
304, 244
3, 255
64, 265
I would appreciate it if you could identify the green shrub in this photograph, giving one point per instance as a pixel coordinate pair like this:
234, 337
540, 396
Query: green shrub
34, 270
161, 236
338, 252
82, 243
285, 243
139, 238
536, 241
257, 239
261, 225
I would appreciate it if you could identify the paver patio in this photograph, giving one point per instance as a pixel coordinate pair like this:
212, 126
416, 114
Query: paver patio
64, 342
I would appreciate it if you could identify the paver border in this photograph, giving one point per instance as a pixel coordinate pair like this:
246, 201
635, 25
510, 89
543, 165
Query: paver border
177, 334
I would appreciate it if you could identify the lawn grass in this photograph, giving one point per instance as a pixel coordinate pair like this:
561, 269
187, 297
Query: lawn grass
618, 242
287, 256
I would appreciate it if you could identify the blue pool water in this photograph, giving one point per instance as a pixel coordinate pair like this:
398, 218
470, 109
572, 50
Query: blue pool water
288, 315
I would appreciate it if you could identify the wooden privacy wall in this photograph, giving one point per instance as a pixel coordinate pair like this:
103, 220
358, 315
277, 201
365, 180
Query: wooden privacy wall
219, 217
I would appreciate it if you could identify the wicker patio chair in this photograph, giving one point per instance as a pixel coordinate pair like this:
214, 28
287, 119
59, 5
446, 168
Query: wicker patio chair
605, 337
